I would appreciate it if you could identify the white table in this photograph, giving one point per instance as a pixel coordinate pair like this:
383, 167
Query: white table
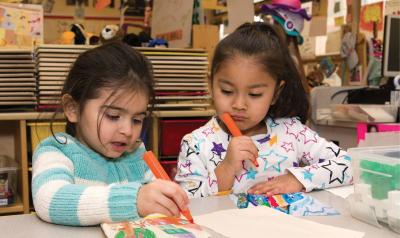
31, 226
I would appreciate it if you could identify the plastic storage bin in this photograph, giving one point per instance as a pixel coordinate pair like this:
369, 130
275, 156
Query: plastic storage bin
172, 132
376, 185
8, 180
42, 130
364, 112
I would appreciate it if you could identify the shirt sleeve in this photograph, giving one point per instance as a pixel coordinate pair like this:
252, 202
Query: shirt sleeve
193, 173
326, 164
59, 199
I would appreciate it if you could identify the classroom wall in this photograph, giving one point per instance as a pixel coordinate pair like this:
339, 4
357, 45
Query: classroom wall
62, 16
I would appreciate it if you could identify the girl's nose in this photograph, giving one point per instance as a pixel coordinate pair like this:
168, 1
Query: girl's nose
126, 128
239, 103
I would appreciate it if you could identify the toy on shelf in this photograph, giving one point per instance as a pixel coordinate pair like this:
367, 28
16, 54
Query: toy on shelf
111, 33
289, 14
77, 36
80, 36
67, 38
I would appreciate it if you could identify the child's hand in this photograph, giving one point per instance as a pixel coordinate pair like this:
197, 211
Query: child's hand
240, 148
163, 197
287, 183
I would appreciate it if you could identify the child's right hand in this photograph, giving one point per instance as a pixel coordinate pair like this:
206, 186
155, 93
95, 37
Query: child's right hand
163, 197
240, 149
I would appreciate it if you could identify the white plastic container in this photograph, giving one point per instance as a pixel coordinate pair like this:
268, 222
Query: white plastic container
376, 185
8, 180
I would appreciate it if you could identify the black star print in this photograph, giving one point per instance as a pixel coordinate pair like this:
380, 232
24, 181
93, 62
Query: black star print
333, 178
215, 158
336, 153
194, 190
189, 150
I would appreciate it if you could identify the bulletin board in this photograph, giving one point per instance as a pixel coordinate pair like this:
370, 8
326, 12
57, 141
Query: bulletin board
21, 25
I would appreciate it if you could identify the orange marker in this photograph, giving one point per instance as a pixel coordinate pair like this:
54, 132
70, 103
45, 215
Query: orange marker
227, 119
160, 173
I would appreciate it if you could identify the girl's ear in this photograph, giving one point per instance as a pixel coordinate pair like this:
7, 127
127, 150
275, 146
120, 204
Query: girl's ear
278, 91
71, 108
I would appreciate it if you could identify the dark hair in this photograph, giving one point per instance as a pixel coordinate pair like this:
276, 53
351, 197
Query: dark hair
263, 41
114, 66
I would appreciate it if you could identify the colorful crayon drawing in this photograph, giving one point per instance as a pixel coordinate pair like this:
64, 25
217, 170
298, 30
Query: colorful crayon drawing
153, 226
21, 25
296, 204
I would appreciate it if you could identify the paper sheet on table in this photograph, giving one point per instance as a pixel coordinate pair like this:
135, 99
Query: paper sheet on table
343, 191
253, 222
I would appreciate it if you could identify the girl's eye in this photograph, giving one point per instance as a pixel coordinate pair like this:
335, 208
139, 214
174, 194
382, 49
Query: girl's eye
137, 121
226, 92
112, 117
255, 95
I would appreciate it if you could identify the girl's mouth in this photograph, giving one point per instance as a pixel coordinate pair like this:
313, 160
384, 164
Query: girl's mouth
238, 118
119, 146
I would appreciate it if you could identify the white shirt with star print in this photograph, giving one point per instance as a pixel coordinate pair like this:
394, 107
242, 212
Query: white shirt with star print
289, 146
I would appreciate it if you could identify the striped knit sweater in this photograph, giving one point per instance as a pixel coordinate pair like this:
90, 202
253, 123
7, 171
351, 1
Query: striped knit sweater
74, 185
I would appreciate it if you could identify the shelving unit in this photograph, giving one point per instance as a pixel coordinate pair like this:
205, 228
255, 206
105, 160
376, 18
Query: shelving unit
159, 115
16, 143
181, 94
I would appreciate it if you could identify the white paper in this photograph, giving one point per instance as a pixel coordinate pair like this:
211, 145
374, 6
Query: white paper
336, 9
392, 7
172, 20
267, 222
320, 45
342, 191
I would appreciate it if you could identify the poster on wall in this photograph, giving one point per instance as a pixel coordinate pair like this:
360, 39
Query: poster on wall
135, 8
392, 8
172, 21
77, 2
21, 25
371, 14
336, 15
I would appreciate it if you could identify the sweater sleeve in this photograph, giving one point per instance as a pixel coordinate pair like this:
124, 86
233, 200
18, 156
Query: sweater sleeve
326, 164
58, 198
192, 173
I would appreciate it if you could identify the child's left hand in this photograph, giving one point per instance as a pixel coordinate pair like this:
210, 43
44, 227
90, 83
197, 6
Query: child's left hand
287, 183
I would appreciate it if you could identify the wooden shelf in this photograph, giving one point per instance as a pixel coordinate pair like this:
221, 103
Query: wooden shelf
191, 113
164, 114
7, 116
16, 207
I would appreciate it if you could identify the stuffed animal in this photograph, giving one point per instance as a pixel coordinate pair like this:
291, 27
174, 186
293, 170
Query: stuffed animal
80, 36
111, 33
67, 38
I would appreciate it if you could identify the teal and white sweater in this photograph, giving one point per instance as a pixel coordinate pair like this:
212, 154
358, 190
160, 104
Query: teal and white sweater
74, 185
